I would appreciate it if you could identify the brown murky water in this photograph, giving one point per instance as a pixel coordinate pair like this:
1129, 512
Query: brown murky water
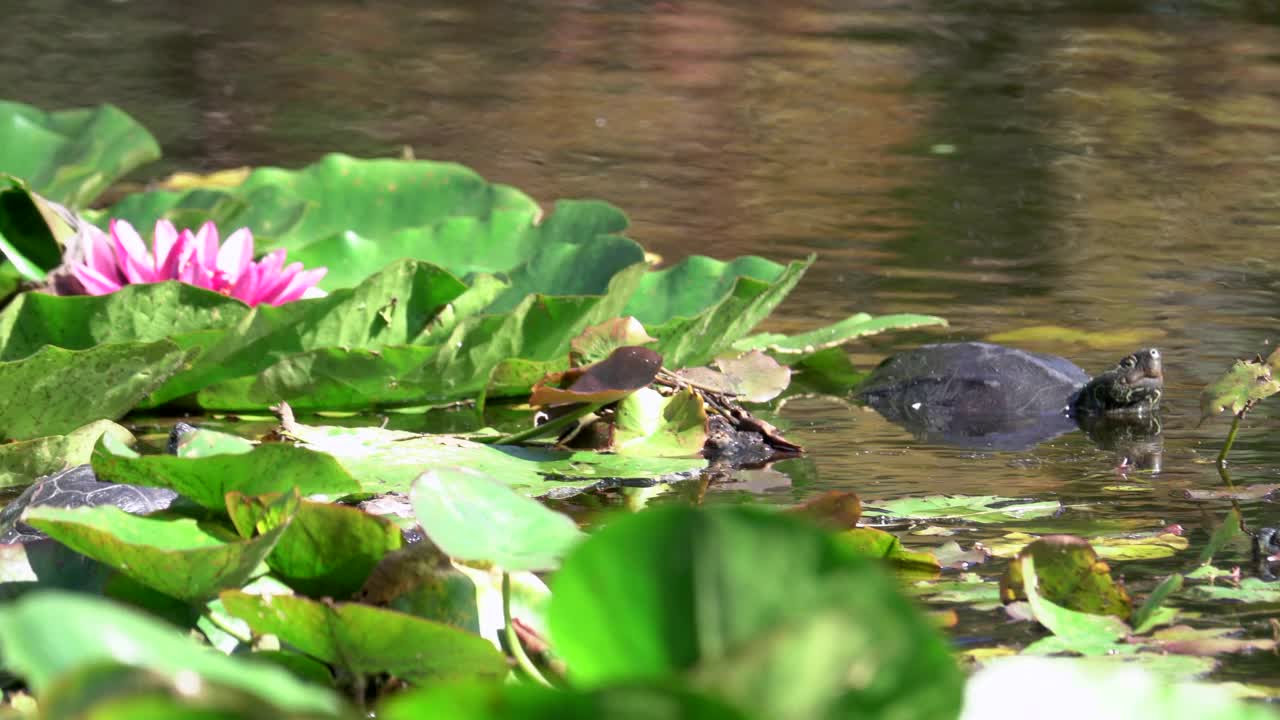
1108, 167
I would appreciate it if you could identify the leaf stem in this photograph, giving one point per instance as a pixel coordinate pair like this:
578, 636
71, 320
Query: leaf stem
513, 640
546, 428
1231, 438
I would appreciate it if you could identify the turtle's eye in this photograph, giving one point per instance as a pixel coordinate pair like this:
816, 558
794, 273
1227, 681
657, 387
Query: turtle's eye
1129, 362
1154, 353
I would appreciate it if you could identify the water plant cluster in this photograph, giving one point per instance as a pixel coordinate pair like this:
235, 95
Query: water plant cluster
326, 571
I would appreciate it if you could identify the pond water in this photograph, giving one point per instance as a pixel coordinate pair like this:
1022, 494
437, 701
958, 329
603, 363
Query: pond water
1107, 167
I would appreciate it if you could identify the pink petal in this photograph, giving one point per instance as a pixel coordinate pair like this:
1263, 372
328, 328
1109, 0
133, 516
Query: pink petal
94, 282
99, 255
162, 242
236, 254
206, 244
300, 283
246, 286
270, 285
131, 253
189, 269
169, 270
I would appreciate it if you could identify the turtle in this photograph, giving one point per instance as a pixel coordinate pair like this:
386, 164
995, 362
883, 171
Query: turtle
79, 486
976, 394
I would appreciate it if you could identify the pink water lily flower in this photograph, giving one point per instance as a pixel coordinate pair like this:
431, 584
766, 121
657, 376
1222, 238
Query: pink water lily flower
121, 258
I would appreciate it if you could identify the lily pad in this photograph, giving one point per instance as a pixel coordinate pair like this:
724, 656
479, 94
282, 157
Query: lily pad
367, 640
775, 632
1247, 382
71, 156
390, 460
519, 533
1249, 590
700, 307
54, 391
327, 551
970, 508
47, 634
599, 341
475, 701
834, 335
174, 556
876, 543
649, 424
1085, 633
1069, 575
268, 468
23, 462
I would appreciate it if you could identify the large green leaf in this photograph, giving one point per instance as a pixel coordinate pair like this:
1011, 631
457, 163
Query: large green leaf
390, 460
437, 367
701, 306
175, 556
327, 551
764, 610
47, 634
268, 468
476, 701
54, 391
71, 156
795, 347
519, 533
367, 640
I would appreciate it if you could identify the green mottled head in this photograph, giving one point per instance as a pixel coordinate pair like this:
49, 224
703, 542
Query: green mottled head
1132, 387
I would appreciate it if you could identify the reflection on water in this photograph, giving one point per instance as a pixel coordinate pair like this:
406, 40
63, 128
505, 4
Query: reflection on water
1097, 165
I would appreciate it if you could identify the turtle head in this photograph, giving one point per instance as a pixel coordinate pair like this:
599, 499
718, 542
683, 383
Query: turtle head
1132, 386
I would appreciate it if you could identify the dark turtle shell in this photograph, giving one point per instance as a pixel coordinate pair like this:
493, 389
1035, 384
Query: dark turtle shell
77, 487
982, 394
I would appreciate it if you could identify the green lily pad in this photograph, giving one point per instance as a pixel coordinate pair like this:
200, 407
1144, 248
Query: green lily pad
174, 556
969, 589
1185, 640
1249, 590
1129, 546
420, 580
876, 543
268, 468
652, 425
775, 631
1069, 575
22, 462
71, 156
367, 640
519, 533
599, 341
54, 391
1085, 633
203, 442
476, 701
833, 335
1247, 382
700, 307
970, 508
30, 230
390, 460
327, 551
47, 634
